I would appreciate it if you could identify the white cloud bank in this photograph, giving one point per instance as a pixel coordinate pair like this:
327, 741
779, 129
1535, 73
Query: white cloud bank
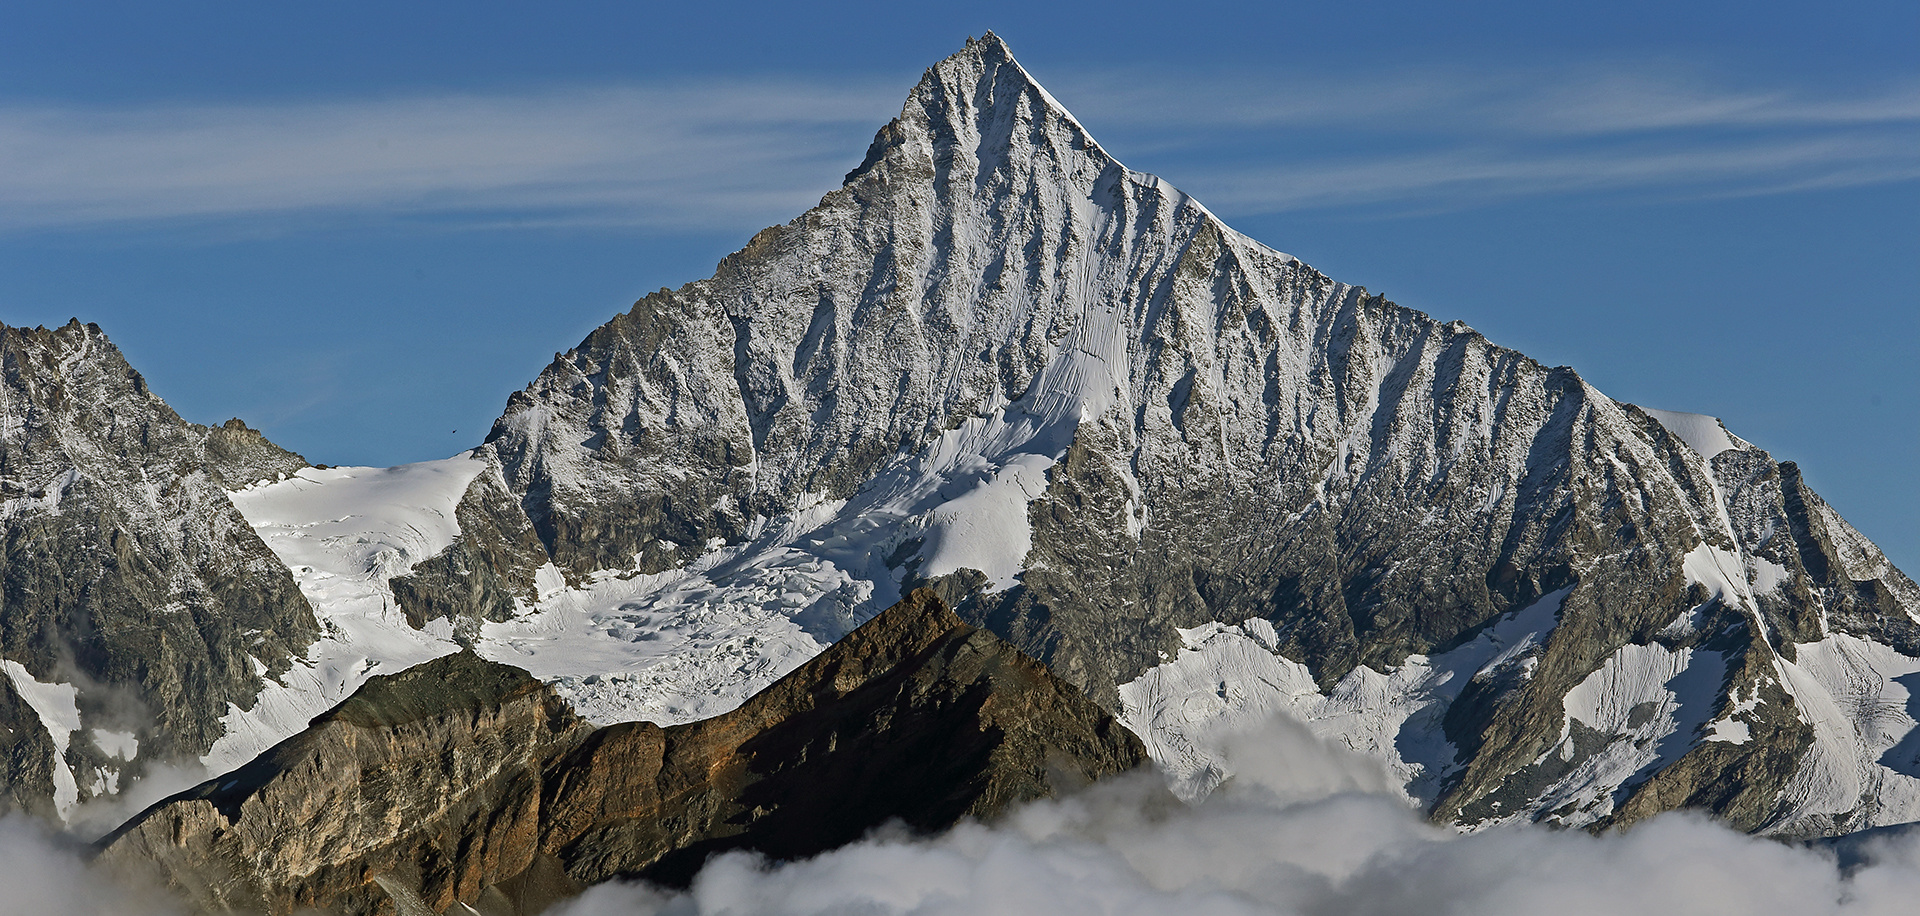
741, 155
1303, 829
42, 874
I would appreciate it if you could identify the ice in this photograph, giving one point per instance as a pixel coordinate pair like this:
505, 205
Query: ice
355, 522
681, 645
1649, 705
1860, 698
344, 532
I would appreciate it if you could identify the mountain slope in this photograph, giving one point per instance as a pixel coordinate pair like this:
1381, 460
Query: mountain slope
464, 780
1200, 480
1066, 395
136, 604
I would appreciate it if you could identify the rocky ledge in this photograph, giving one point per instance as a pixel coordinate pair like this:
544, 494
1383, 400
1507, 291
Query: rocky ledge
463, 785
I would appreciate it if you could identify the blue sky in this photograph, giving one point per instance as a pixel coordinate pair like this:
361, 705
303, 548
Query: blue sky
360, 228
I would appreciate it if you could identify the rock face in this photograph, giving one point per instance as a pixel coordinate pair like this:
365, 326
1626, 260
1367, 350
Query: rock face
466, 781
998, 362
135, 603
491, 563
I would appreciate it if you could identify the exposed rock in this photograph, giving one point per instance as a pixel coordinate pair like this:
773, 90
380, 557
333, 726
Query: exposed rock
430, 777
1226, 435
27, 756
240, 455
127, 572
464, 780
914, 716
489, 570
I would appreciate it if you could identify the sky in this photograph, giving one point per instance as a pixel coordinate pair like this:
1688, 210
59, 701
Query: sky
360, 227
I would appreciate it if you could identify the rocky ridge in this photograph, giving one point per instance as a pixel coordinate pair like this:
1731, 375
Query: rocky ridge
465, 782
135, 602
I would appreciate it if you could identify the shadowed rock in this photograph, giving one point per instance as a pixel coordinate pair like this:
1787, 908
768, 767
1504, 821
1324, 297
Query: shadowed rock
463, 781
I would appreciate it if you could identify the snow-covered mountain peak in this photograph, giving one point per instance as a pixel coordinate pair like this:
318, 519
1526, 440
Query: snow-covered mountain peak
983, 82
1123, 436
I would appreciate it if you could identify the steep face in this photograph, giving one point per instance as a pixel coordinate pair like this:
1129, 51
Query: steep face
859, 331
136, 603
467, 781
488, 571
429, 779
1100, 421
915, 717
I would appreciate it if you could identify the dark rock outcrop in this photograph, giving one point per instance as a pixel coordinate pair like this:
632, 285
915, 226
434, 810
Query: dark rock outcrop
466, 781
124, 568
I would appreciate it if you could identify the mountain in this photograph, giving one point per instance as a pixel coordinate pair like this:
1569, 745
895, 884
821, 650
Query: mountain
1201, 481
1181, 467
136, 604
463, 781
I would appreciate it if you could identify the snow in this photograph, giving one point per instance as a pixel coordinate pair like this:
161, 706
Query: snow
1864, 763
1720, 571
1227, 679
1766, 575
1705, 435
1732, 731
344, 532
59, 712
123, 745
360, 521
681, 645
1649, 705
44, 498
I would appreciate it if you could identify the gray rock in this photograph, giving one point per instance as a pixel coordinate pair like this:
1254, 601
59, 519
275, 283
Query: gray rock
127, 572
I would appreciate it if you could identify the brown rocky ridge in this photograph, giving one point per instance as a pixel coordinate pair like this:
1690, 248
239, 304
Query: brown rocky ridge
463, 785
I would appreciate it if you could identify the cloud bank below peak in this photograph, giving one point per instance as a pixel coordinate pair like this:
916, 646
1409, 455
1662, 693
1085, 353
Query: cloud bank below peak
1304, 829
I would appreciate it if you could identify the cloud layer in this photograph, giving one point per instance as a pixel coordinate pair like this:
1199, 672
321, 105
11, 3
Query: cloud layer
687, 157
1450, 139
739, 155
1304, 829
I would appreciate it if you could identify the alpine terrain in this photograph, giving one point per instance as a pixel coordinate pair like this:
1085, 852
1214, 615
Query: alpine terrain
1200, 481
463, 782
136, 605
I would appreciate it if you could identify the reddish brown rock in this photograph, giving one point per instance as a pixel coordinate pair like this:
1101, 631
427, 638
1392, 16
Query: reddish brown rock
467, 781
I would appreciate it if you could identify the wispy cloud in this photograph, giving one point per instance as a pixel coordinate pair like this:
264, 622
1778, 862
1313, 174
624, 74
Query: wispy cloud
1580, 98
689, 157
1267, 143
1478, 175
737, 156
